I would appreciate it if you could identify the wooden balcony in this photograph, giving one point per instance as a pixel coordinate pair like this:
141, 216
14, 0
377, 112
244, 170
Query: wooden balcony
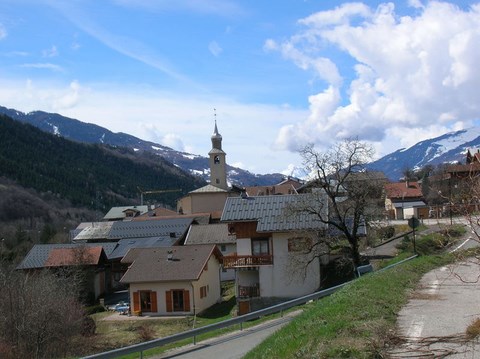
235, 261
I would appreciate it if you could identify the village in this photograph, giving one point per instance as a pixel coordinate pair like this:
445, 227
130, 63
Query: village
259, 238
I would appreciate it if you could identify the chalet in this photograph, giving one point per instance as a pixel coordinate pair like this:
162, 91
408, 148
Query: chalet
125, 213
404, 200
182, 280
217, 234
273, 262
55, 257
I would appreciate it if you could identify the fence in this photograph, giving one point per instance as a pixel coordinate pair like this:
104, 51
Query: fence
193, 333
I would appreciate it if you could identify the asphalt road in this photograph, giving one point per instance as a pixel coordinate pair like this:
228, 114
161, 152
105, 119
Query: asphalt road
434, 323
231, 346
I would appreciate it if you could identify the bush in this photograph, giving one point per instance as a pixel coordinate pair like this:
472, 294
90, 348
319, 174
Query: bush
386, 232
146, 332
98, 308
88, 326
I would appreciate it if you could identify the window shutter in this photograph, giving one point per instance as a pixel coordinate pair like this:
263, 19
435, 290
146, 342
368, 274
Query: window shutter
186, 300
136, 301
168, 300
153, 301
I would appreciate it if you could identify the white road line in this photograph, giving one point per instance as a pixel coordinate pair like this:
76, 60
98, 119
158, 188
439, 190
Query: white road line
432, 289
414, 332
460, 246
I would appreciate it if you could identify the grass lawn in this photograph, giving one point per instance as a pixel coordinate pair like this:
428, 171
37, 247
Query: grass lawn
355, 322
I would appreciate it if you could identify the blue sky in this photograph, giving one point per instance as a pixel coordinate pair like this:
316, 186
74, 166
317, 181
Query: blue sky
280, 74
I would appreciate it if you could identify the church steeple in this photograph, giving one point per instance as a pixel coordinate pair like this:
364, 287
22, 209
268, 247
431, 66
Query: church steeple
218, 166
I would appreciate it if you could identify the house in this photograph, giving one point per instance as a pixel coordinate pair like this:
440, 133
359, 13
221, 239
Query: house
211, 198
182, 280
125, 213
273, 260
404, 200
92, 256
217, 234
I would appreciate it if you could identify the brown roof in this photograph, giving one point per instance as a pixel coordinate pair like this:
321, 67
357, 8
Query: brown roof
403, 190
271, 190
153, 265
209, 234
60, 257
197, 217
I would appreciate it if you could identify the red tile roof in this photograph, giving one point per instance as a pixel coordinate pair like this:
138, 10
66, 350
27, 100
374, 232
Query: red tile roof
60, 257
403, 190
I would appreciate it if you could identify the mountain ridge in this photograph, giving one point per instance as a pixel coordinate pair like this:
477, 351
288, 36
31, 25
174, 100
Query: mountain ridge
90, 133
447, 148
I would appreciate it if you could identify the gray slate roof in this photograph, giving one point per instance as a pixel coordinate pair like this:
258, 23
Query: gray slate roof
209, 234
124, 245
276, 213
152, 264
114, 231
38, 255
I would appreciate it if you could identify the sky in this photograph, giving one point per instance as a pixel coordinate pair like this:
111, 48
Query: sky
276, 76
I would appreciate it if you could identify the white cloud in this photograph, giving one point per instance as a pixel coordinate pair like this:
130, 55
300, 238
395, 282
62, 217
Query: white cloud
51, 52
43, 65
173, 141
214, 48
414, 77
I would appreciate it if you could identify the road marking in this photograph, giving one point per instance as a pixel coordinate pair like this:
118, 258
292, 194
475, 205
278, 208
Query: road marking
414, 332
432, 289
461, 245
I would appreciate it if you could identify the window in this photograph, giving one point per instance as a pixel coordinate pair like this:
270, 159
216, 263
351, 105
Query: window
178, 300
145, 301
203, 291
260, 247
216, 159
223, 247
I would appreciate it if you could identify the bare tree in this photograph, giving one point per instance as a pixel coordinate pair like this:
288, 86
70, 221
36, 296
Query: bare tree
353, 193
39, 315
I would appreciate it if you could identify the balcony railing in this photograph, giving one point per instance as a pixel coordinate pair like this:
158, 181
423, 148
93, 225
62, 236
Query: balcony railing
249, 292
235, 261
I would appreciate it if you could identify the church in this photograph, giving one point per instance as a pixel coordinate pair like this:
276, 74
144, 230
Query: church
211, 198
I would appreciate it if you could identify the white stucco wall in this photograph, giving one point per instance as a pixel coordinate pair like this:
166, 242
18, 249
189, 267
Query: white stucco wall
210, 277
286, 278
228, 274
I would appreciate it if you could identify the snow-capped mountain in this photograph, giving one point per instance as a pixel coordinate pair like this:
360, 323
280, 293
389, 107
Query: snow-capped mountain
448, 148
89, 133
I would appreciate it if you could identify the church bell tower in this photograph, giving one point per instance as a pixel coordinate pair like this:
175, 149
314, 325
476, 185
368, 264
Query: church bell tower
218, 167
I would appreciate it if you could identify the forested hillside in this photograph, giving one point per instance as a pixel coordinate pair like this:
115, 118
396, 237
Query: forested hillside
49, 184
87, 175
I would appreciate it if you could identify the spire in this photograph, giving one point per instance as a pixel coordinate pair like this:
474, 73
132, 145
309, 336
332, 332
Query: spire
216, 137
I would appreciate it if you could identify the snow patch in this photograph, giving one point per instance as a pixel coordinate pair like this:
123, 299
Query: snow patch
189, 156
156, 148
135, 149
102, 139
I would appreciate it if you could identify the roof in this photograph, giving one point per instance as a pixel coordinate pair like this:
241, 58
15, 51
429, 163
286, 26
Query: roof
152, 264
276, 213
38, 255
209, 234
157, 227
403, 190
208, 189
145, 229
96, 230
119, 212
81, 255
124, 245
203, 218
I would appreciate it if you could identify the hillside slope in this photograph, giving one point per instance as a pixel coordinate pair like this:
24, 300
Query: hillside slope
87, 175
90, 133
